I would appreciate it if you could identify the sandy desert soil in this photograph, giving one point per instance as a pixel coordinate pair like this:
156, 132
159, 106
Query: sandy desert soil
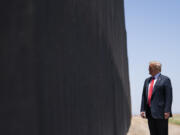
139, 126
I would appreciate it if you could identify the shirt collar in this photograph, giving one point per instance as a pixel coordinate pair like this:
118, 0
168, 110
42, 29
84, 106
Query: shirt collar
157, 75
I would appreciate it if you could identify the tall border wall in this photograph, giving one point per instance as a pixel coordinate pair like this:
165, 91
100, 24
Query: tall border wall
64, 68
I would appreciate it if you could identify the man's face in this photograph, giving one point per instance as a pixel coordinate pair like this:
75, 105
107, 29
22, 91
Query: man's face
152, 70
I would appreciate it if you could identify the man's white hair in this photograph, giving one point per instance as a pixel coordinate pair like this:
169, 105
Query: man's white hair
156, 64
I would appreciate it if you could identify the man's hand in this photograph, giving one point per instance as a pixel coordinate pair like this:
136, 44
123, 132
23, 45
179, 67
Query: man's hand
143, 115
166, 115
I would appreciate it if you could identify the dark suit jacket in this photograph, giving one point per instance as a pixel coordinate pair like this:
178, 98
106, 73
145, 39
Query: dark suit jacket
161, 99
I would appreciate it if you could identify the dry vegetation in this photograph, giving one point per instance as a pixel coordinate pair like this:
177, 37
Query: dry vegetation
175, 119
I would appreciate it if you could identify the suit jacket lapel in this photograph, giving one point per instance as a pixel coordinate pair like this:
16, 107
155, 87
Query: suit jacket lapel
147, 87
157, 82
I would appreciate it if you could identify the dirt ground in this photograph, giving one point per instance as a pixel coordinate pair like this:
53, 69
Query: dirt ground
139, 126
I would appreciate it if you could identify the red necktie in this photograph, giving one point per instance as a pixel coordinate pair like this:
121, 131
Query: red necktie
150, 91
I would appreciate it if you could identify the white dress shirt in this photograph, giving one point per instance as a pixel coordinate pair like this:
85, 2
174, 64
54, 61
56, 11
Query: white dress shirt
155, 79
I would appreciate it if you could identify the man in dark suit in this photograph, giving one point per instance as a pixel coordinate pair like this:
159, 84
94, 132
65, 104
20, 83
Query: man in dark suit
157, 100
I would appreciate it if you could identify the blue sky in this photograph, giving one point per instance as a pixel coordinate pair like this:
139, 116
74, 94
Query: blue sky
153, 33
